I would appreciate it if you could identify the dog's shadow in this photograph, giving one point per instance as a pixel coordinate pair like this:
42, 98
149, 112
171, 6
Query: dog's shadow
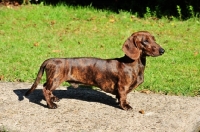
80, 93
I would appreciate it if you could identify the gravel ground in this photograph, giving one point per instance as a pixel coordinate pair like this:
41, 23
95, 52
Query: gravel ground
86, 110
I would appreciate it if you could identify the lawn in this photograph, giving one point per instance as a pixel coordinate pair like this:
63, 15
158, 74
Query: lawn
31, 34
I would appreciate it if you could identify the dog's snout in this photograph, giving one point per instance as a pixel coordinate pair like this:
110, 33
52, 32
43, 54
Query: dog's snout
161, 51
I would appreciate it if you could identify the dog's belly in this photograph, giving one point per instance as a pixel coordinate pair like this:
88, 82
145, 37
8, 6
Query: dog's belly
108, 86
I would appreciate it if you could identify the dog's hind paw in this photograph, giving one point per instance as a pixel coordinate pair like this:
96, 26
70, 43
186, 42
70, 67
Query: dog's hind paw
52, 106
55, 99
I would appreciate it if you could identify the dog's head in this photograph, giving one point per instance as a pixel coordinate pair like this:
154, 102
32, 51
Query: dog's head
141, 43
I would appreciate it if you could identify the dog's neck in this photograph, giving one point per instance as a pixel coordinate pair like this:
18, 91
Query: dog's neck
143, 60
128, 60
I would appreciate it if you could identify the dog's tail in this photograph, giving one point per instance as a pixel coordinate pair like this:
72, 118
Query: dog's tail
37, 80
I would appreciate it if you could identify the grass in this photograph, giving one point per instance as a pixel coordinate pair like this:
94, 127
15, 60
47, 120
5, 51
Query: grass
31, 34
3, 129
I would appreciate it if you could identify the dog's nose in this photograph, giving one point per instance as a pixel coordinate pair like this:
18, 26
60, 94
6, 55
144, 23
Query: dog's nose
161, 51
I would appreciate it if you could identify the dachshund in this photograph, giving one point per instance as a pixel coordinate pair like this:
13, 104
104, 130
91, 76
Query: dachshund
117, 76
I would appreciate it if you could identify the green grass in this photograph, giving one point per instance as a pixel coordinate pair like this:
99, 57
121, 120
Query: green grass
31, 34
3, 129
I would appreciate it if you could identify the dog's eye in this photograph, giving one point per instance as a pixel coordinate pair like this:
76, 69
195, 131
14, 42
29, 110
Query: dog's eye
145, 42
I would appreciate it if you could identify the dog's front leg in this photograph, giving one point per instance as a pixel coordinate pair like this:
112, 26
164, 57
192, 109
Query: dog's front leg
122, 99
118, 99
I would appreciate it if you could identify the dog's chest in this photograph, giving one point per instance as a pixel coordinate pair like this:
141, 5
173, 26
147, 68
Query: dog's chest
140, 75
137, 74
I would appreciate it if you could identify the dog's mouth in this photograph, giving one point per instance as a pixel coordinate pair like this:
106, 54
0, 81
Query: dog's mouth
153, 52
148, 53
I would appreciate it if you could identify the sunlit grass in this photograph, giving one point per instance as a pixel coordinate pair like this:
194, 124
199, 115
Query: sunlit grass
31, 34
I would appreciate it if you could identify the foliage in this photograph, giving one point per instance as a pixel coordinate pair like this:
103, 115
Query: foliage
161, 7
31, 34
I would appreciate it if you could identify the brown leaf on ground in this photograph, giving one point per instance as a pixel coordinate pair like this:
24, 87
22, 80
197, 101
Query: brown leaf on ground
1, 77
196, 53
56, 51
36, 44
53, 22
146, 91
141, 112
112, 20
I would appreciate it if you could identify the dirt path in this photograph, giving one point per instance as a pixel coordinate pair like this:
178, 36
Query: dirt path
86, 110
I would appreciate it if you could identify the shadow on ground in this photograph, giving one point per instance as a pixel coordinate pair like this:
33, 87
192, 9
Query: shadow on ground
84, 94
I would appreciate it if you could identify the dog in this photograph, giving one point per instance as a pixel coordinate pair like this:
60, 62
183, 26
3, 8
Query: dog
117, 76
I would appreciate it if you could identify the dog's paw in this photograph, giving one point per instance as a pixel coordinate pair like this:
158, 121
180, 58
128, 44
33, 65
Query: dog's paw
55, 99
74, 85
127, 107
52, 106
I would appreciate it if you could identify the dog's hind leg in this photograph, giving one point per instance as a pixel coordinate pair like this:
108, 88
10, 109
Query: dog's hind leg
53, 98
49, 97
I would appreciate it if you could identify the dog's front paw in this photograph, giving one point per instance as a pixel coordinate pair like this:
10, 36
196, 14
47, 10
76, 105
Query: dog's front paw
126, 107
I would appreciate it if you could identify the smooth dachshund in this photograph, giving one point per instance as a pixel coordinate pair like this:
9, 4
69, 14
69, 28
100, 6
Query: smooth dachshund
116, 76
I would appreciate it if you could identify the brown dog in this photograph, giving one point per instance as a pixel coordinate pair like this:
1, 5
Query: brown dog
117, 76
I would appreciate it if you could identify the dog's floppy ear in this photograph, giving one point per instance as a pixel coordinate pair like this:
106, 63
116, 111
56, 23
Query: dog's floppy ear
130, 48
